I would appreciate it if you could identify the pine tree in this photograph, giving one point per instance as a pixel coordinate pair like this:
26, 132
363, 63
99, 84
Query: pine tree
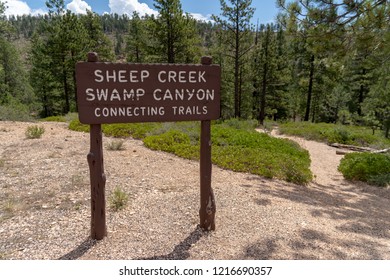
14, 86
97, 40
46, 86
64, 42
235, 21
218, 50
136, 40
317, 42
376, 104
364, 56
264, 67
118, 44
173, 30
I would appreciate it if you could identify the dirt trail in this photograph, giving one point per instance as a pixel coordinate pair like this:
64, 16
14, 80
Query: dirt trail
45, 206
324, 160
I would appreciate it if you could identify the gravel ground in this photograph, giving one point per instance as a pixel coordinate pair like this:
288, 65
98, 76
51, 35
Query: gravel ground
45, 206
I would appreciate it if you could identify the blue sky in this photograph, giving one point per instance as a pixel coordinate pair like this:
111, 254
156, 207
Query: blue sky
265, 9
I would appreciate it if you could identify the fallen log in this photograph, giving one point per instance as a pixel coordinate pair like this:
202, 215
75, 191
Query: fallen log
356, 149
341, 152
351, 147
381, 151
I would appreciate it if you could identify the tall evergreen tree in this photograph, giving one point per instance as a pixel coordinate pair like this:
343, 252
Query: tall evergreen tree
218, 50
365, 55
136, 40
235, 21
316, 43
265, 55
14, 86
46, 86
64, 42
376, 104
97, 40
173, 30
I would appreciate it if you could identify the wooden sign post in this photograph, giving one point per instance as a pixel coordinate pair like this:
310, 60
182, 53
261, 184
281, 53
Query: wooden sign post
97, 177
207, 199
128, 93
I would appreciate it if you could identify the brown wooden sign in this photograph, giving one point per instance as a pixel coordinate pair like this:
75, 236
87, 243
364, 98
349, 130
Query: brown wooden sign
126, 93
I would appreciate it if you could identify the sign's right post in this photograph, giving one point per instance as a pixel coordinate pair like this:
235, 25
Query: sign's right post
207, 199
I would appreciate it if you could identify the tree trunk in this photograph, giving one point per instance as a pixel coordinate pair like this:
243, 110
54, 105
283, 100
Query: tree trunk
137, 54
74, 81
170, 49
237, 109
65, 84
265, 84
387, 128
362, 92
237, 112
310, 89
45, 102
263, 94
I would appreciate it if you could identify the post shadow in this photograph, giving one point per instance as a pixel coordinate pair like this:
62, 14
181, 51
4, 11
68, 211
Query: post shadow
181, 251
80, 250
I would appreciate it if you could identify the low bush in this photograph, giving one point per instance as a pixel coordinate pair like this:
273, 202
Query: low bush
34, 132
261, 154
15, 112
54, 119
191, 129
367, 167
332, 133
135, 130
175, 142
249, 125
115, 145
236, 146
118, 199
242, 151
77, 126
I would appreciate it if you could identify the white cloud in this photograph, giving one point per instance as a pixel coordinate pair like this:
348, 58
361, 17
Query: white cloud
121, 7
201, 17
38, 12
79, 7
17, 7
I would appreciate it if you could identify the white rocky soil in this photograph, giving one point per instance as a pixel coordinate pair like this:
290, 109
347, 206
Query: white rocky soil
45, 206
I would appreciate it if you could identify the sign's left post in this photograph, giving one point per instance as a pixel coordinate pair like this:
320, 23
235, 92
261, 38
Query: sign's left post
97, 177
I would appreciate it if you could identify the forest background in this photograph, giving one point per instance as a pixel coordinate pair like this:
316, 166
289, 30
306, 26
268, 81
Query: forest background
321, 61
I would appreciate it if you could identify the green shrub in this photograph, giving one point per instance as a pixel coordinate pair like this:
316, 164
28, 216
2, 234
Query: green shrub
175, 142
240, 124
120, 130
261, 154
134, 130
332, 133
15, 112
242, 151
340, 135
77, 126
366, 167
382, 180
236, 146
118, 199
34, 132
71, 116
115, 145
54, 119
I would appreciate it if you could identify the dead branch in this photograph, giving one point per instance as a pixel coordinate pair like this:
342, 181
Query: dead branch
356, 149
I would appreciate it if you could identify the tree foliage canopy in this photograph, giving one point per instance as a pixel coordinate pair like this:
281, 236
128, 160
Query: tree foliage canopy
321, 61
